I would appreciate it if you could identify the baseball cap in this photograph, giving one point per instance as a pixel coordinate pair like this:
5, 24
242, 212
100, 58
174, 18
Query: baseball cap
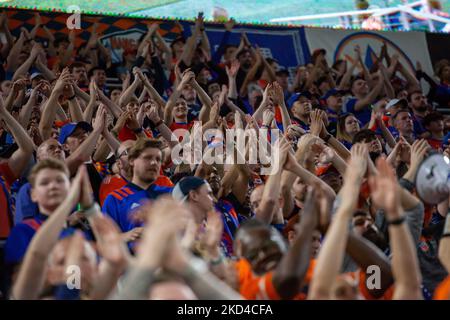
35, 75
297, 96
68, 129
181, 190
281, 72
332, 92
394, 102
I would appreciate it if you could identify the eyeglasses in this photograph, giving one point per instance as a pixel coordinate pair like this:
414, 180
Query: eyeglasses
124, 153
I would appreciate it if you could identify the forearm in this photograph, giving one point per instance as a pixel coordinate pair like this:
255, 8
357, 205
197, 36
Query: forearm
203, 96
48, 74
128, 93
89, 111
387, 135
285, 116
48, 116
84, 151
67, 54
232, 88
11, 61
343, 85
106, 281
80, 93
270, 197
310, 179
19, 134
25, 112
405, 265
76, 114
444, 245
154, 94
330, 259
207, 286
23, 69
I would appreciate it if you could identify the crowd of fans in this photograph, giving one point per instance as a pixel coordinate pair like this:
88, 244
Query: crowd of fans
87, 179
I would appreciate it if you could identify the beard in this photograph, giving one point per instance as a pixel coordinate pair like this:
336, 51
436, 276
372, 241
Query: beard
421, 109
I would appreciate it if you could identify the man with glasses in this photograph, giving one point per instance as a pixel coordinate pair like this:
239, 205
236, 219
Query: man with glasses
144, 159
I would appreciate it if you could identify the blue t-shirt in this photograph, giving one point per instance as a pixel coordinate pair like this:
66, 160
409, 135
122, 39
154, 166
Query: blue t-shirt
25, 207
20, 237
363, 115
122, 204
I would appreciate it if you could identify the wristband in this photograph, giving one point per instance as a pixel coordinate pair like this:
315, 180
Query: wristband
408, 185
138, 131
160, 122
92, 210
217, 261
327, 137
396, 222
72, 97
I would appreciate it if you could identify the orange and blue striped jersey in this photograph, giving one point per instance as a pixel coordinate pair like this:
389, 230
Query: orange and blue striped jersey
123, 204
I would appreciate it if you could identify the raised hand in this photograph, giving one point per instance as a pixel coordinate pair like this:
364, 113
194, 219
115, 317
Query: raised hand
268, 116
63, 80
384, 189
100, 120
229, 24
357, 166
233, 69
153, 114
109, 240
316, 126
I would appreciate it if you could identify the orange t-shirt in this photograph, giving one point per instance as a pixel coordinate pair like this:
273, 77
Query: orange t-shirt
442, 292
253, 287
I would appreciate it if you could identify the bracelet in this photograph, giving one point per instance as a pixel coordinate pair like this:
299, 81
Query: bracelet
92, 210
217, 261
396, 222
405, 183
327, 137
72, 97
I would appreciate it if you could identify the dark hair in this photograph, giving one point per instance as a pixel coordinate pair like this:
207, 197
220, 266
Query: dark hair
431, 117
250, 225
142, 144
91, 72
242, 52
364, 135
410, 94
76, 64
227, 46
59, 38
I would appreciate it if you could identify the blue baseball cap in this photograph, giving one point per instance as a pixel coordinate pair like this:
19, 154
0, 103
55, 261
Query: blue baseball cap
68, 129
332, 92
297, 96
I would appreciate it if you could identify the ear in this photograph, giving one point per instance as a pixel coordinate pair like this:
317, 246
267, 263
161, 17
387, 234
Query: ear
65, 146
33, 195
291, 236
193, 195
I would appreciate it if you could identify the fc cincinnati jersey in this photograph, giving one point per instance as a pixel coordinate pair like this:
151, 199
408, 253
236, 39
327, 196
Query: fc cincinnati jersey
123, 204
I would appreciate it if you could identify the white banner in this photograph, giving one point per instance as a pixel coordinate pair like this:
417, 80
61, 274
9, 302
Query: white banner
339, 44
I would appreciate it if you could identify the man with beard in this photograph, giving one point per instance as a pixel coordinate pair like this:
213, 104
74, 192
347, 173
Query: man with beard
371, 140
122, 205
419, 106
79, 73
300, 106
246, 62
124, 175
